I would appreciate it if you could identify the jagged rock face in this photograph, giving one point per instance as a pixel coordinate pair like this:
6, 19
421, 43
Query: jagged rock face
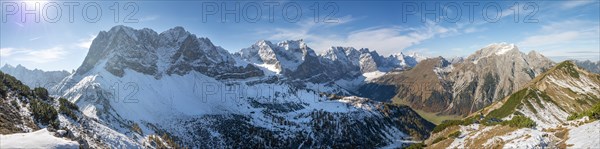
369, 61
130, 49
175, 51
465, 87
588, 65
294, 59
280, 110
419, 87
491, 74
36, 77
455, 60
285, 56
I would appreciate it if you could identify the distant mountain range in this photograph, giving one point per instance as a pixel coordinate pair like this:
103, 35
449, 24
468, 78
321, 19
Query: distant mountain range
589, 65
35, 77
440, 87
137, 88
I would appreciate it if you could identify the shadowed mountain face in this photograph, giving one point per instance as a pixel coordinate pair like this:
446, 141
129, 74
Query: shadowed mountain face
590, 66
182, 88
461, 88
175, 51
418, 87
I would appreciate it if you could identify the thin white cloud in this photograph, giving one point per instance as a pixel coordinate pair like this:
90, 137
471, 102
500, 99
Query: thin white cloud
149, 18
389, 40
575, 3
34, 38
560, 39
549, 39
86, 43
5, 52
564, 32
473, 30
19, 24
33, 56
385, 40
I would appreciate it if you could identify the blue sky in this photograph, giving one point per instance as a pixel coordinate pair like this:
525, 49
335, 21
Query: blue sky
558, 29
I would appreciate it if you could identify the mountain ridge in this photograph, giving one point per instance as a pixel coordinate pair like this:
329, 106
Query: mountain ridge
35, 77
540, 109
188, 88
465, 86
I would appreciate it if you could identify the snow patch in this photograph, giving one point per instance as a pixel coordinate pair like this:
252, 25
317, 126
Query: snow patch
372, 75
585, 136
37, 139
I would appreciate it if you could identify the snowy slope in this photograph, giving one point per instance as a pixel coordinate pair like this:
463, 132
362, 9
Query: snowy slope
184, 101
38, 139
585, 136
186, 88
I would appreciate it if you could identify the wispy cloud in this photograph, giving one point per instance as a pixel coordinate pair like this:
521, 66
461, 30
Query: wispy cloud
384, 39
564, 32
389, 40
34, 38
549, 39
19, 24
86, 43
575, 3
149, 18
43, 55
566, 39
35, 56
5, 52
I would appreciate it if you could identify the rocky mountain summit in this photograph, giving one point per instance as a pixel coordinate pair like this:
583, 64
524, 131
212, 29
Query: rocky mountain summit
461, 88
174, 51
295, 60
144, 89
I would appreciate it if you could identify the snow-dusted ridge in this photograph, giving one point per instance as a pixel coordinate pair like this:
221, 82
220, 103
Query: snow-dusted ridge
270, 95
35, 77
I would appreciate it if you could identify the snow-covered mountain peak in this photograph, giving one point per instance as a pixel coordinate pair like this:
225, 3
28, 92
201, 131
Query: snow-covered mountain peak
499, 48
285, 55
338, 53
175, 51
7, 66
292, 44
534, 53
176, 34
502, 49
263, 43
